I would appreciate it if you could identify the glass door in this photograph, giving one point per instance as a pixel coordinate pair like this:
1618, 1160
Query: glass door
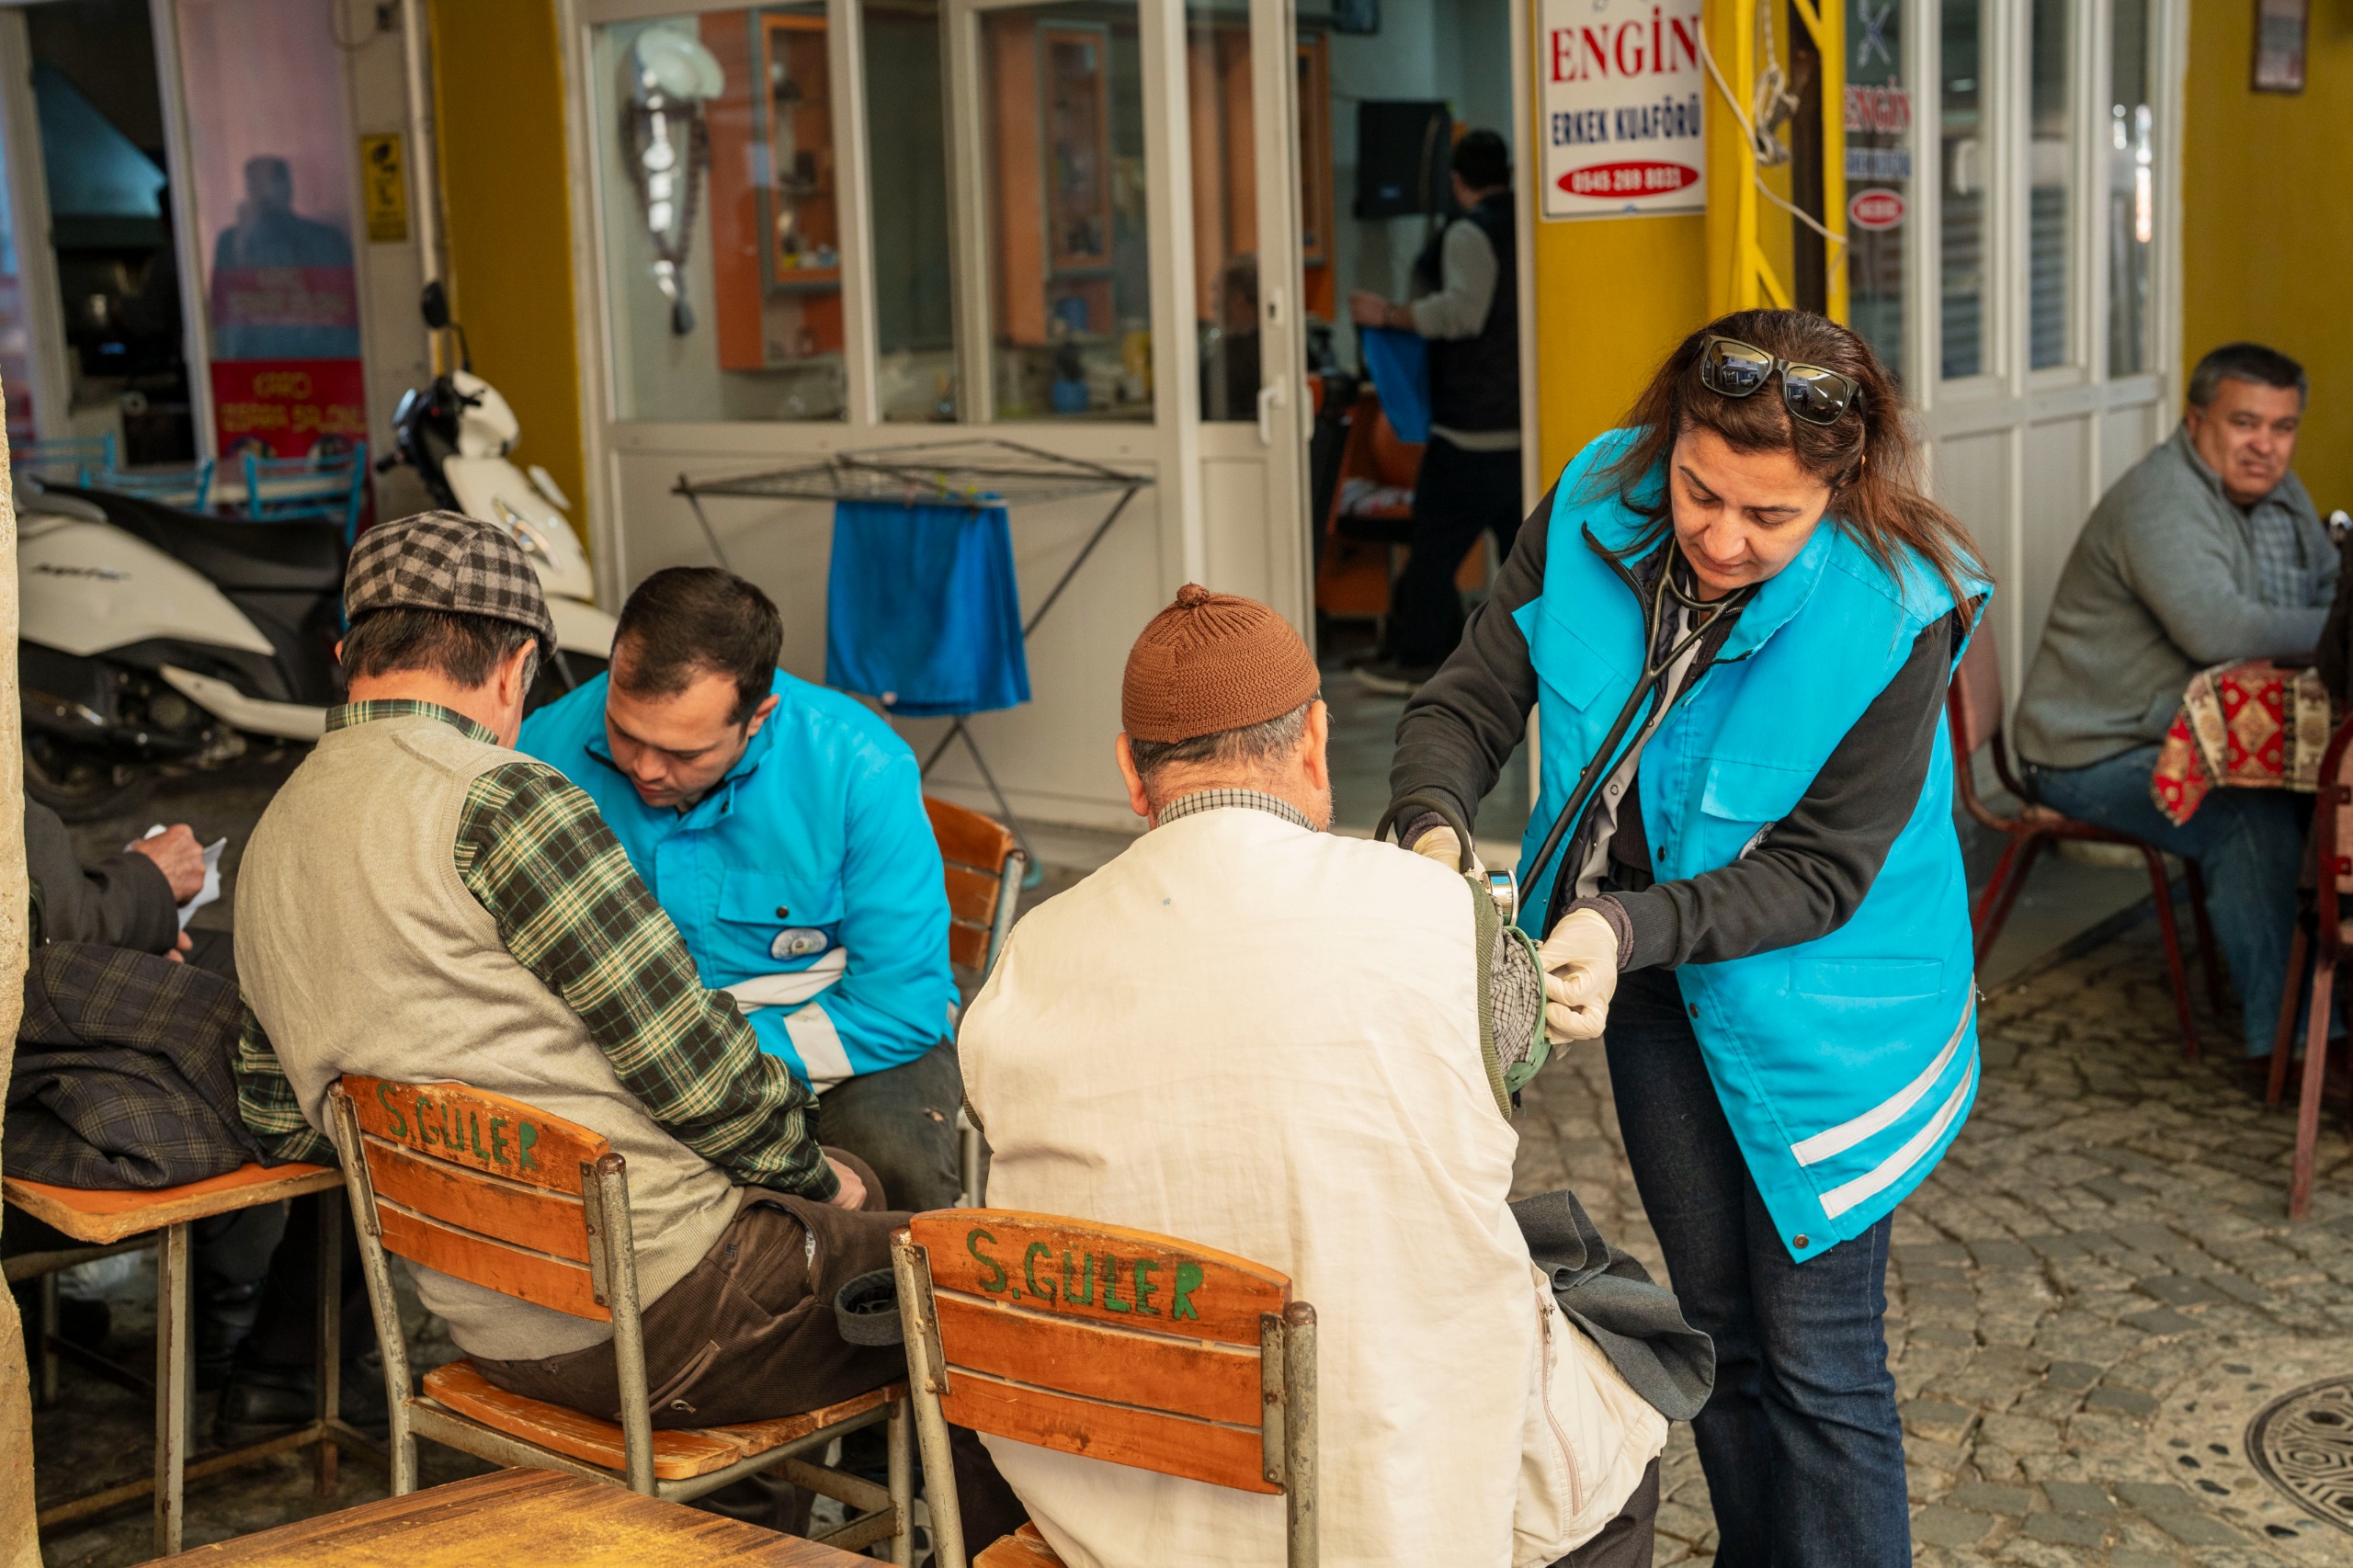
1259, 206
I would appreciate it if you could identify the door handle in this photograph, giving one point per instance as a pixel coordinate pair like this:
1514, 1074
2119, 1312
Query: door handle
1270, 397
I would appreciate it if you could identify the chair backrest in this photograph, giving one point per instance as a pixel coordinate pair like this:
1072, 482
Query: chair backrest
346, 471
1976, 696
188, 488
487, 1189
1119, 1345
77, 461
984, 869
2333, 834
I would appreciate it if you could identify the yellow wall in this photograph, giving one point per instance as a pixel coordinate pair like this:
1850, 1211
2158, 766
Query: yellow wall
1613, 295
498, 104
2266, 226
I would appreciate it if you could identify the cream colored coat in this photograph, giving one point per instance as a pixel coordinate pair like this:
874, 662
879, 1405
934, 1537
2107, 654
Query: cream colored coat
1266, 1041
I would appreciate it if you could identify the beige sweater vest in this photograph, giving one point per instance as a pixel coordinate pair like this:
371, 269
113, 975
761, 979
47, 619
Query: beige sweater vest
361, 950
1267, 1041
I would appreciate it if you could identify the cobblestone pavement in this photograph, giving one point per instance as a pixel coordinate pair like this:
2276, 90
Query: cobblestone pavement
2087, 1301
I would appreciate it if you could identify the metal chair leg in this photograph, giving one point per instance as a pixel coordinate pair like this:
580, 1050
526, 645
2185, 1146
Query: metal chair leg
329, 1376
2283, 1034
172, 1383
1998, 910
2210, 957
2299, 1183
899, 1436
45, 1341
2162, 889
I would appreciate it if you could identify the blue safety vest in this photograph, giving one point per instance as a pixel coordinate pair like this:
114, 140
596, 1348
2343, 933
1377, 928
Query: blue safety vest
1846, 1064
812, 858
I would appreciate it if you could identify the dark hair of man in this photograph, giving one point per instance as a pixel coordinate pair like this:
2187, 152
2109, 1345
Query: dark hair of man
1252, 745
2247, 362
685, 622
464, 650
1483, 160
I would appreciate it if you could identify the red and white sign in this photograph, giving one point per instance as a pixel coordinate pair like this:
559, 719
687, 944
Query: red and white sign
1622, 121
1875, 208
281, 408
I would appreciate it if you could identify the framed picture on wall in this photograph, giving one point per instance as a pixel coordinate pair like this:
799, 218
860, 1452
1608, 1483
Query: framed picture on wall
2279, 29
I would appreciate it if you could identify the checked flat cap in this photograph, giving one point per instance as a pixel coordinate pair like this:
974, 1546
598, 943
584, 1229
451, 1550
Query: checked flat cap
445, 561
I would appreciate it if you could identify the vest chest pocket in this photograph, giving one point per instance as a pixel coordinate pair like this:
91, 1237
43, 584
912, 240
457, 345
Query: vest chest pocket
1750, 792
1564, 661
768, 919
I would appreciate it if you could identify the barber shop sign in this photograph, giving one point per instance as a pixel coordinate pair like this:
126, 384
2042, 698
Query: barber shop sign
1622, 91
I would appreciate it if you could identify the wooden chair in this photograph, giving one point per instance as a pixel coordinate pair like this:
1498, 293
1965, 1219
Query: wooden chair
1206, 1371
520, 1515
109, 1222
986, 865
1974, 709
2325, 935
537, 1208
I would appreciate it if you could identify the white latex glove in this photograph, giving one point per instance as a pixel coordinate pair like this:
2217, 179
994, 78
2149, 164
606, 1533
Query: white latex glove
1580, 962
1440, 845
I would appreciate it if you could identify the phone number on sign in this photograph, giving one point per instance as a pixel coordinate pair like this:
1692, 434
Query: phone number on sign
1629, 179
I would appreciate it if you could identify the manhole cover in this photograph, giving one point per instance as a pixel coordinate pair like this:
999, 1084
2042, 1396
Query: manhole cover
2303, 1444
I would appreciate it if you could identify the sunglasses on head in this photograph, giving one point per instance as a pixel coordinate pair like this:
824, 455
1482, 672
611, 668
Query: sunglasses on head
1732, 368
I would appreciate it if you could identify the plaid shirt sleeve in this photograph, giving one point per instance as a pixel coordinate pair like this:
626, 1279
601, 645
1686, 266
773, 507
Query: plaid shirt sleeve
266, 1102
534, 851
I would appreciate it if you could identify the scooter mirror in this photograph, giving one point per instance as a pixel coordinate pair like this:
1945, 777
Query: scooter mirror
435, 303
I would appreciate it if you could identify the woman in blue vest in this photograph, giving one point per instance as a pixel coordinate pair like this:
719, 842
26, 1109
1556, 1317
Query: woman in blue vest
1736, 617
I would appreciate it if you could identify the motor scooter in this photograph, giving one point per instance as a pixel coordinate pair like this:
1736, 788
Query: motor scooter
457, 434
156, 639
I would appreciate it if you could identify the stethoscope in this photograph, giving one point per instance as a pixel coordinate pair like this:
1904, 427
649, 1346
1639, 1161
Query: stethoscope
1704, 614
1503, 885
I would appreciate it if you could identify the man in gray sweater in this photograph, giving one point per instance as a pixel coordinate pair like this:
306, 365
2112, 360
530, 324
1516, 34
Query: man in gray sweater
2208, 551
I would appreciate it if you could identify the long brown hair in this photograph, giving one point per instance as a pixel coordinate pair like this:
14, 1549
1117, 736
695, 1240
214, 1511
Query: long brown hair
1867, 457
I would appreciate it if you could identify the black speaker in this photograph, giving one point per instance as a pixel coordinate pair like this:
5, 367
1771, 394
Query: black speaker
1403, 150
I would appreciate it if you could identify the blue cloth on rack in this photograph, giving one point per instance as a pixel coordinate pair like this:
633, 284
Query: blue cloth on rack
1400, 363
922, 609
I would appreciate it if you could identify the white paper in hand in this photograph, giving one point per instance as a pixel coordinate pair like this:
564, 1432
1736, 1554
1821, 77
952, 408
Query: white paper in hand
211, 892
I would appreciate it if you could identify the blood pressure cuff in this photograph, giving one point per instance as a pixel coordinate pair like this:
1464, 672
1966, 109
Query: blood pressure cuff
1512, 1041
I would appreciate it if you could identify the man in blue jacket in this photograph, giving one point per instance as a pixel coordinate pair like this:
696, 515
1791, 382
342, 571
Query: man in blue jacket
781, 826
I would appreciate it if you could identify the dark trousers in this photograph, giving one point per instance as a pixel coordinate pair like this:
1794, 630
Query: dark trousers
749, 1333
1457, 495
1801, 1441
1626, 1541
901, 1121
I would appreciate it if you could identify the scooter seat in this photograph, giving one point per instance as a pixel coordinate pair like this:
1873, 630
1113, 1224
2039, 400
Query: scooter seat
290, 557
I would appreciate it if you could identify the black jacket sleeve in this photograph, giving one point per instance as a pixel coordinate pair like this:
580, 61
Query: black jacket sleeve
1461, 727
125, 901
1810, 874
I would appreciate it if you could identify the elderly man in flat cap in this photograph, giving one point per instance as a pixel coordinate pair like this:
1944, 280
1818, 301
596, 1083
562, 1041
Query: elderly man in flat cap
1249, 1033
421, 902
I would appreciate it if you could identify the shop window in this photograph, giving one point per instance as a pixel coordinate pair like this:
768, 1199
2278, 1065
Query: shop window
2131, 189
1223, 124
264, 88
723, 241
1963, 168
915, 285
1878, 175
1071, 335
2050, 186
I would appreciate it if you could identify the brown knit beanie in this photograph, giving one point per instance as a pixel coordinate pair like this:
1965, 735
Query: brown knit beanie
1214, 662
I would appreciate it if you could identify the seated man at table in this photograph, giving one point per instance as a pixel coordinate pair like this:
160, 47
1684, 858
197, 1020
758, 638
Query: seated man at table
422, 902
1264, 1039
781, 826
2206, 552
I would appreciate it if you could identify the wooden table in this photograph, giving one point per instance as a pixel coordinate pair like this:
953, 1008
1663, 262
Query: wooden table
106, 1222
520, 1516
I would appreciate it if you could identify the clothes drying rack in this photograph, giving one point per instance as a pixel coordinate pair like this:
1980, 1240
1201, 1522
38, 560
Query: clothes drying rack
974, 474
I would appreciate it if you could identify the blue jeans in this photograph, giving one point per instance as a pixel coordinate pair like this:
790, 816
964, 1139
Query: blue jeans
2249, 845
1800, 1440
